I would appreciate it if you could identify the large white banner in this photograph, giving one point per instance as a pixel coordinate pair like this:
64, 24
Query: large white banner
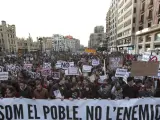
134, 109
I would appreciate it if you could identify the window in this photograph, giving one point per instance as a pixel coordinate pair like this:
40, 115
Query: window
134, 10
133, 29
120, 35
141, 28
134, 20
128, 5
159, 9
150, 14
157, 37
128, 14
149, 24
151, 2
135, 1
127, 23
148, 38
142, 7
142, 18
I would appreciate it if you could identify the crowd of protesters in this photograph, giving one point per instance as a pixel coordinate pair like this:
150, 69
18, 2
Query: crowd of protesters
75, 87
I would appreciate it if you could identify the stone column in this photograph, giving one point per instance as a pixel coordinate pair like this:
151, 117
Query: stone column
152, 41
143, 43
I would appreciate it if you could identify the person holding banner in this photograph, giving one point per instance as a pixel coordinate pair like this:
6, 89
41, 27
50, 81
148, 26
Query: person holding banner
129, 90
24, 90
10, 92
40, 92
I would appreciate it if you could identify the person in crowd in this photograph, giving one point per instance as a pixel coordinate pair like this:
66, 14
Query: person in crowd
40, 92
129, 90
147, 89
105, 91
80, 86
2, 89
24, 90
117, 91
10, 92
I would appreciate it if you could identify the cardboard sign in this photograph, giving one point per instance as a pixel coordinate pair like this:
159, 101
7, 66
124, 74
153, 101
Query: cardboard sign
120, 72
141, 68
86, 68
3, 75
56, 75
115, 62
95, 62
73, 71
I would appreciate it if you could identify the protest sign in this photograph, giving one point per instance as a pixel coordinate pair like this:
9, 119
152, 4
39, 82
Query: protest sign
57, 94
73, 71
10, 67
64, 65
56, 75
3, 75
26, 109
47, 65
138, 77
95, 62
86, 68
46, 72
115, 62
120, 72
34, 74
142, 68
126, 76
102, 78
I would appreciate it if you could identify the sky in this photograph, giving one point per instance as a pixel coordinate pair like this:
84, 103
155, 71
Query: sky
47, 17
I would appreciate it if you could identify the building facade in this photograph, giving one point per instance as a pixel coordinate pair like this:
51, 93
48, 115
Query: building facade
111, 25
47, 43
97, 38
8, 40
108, 29
65, 43
27, 45
148, 27
126, 26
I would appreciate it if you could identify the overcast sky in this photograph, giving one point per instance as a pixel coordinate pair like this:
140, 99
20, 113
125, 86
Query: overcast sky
47, 17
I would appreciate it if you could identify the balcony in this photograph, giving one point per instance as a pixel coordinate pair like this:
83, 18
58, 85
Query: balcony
150, 5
